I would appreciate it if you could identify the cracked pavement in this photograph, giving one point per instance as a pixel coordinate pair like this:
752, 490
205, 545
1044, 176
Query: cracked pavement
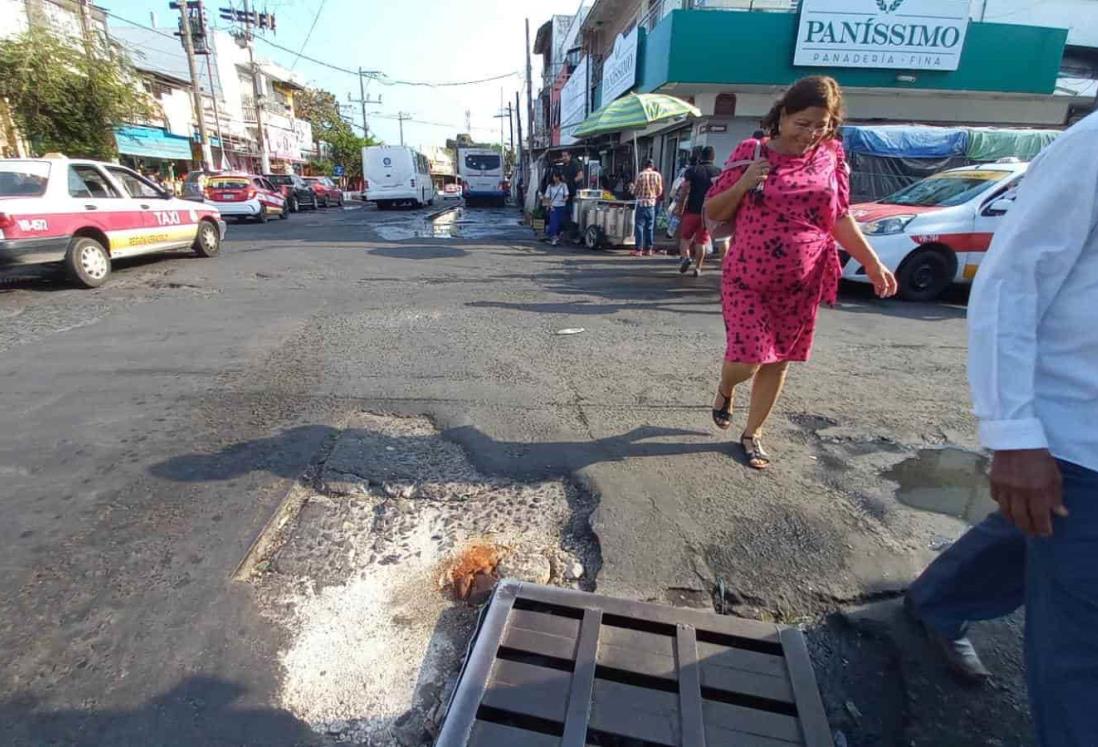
151, 428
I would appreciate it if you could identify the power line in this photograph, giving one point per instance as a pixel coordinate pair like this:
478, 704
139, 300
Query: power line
385, 80
309, 35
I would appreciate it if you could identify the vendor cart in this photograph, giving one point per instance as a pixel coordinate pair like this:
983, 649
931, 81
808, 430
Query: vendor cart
604, 222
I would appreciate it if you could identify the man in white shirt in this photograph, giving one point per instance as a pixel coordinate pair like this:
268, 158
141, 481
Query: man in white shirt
1033, 369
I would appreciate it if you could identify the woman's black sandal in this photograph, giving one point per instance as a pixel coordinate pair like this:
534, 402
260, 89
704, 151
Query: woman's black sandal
722, 417
757, 458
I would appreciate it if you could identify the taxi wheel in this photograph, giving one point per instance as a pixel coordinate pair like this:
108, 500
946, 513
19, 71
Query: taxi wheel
284, 214
208, 241
262, 217
87, 262
926, 274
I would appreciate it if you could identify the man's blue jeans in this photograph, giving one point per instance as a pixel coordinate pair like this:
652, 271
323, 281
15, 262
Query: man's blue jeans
993, 569
645, 227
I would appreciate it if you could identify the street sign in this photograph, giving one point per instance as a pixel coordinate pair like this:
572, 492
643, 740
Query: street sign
337, 170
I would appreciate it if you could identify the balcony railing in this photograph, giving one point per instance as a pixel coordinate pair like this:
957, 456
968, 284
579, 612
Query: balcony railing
661, 8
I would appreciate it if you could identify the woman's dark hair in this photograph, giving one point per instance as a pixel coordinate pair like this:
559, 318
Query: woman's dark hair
557, 174
817, 90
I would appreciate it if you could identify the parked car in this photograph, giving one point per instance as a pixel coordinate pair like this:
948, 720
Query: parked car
326, 191
85, 214
246, 196
936, 231
296, 191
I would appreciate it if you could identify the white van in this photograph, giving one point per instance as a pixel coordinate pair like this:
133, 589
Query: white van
396, 174
481, 172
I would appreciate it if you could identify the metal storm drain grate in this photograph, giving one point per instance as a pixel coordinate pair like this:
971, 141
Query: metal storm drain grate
553, 667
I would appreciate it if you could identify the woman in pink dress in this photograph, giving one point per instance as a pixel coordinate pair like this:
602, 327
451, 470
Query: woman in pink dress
787, 198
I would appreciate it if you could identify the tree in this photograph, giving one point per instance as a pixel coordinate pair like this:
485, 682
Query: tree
66, 96
321, 109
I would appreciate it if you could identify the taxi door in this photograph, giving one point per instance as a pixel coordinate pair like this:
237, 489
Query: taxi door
989, 215
97, 201
162, 224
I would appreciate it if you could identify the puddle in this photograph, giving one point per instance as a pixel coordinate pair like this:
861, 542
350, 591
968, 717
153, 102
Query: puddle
945, 481
456, 223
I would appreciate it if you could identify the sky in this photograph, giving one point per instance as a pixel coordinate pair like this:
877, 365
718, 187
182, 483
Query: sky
412, 40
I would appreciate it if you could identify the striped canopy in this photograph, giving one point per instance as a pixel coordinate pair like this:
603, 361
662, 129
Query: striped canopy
635, 112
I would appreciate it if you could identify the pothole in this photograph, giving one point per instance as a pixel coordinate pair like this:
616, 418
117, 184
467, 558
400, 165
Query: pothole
946, 481
369, 571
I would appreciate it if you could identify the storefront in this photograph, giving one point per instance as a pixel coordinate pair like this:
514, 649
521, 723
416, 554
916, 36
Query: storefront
153, 150
952, 72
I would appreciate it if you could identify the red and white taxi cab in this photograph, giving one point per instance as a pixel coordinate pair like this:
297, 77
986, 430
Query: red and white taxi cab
84, 214
246, 196
935, 232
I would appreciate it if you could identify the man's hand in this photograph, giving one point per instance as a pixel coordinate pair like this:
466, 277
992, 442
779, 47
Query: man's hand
1027, 486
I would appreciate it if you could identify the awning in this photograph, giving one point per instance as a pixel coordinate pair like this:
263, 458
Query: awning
991, 144
151, 142
906, 141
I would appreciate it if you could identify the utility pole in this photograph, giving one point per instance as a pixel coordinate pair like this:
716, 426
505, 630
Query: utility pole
217, 114
529, 91
264, 158
511, 124
196, 90
362, 100
521, 156
402, 118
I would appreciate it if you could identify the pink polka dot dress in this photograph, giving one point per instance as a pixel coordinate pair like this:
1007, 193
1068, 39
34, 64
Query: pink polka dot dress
783, 262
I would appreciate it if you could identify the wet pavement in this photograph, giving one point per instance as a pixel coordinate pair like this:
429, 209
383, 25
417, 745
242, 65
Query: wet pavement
458, 221
946, 481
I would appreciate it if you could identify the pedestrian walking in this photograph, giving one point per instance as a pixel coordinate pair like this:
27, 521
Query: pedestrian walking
556, 202
787, 197
1033, 371
572, 171
647, 191
693, 234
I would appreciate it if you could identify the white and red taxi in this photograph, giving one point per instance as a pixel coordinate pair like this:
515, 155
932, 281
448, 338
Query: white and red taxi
936, 231
84, 214
246, 196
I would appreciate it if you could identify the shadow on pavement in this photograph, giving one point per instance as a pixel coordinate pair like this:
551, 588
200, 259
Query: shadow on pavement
531, 460
198, 711
420, 251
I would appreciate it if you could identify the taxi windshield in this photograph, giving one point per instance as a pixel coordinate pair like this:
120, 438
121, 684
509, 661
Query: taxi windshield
23, 178
946, 190
228, 182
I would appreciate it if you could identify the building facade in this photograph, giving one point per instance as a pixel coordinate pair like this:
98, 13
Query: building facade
1005, 63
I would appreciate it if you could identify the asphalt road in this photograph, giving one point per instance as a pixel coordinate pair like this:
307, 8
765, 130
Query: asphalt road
149, 429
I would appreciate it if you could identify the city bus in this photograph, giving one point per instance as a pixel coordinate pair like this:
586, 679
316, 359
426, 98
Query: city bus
481, 173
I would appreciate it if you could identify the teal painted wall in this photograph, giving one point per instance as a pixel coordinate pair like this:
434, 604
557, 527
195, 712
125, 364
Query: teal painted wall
757, 48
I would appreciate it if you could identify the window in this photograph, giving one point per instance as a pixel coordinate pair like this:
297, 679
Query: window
23, 178
135, 185
227, 182
948, 189
89, 182
482, 162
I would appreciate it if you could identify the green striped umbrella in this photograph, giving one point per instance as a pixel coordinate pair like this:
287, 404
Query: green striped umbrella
635, 112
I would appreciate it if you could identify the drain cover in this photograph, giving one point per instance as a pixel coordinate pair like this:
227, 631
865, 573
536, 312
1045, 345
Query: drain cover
553, 667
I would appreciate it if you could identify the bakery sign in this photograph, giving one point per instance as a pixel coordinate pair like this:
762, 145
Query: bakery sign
903, 34
619, 72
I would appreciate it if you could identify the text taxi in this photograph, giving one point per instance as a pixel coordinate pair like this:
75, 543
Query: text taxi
936, 231
83, 214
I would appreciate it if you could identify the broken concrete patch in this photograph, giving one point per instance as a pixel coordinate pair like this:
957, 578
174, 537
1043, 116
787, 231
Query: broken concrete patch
357, 575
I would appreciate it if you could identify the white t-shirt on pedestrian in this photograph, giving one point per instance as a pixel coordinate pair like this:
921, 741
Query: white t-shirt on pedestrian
557, 195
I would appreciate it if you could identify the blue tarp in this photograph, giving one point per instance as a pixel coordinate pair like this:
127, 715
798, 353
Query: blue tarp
152, 142
906, 141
